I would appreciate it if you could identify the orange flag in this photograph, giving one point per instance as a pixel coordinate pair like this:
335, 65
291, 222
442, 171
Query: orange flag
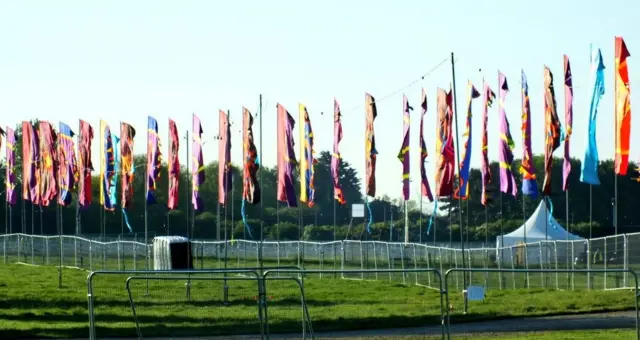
622, 107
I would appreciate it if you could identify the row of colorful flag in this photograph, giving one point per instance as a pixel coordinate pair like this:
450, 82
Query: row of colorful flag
51, 169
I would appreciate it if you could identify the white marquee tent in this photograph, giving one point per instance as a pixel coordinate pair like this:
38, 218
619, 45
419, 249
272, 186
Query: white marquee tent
546, 241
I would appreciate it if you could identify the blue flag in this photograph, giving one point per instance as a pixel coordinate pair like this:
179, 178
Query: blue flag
589, 168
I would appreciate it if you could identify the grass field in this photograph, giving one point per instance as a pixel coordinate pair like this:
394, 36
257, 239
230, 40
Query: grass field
31, 305
613, 334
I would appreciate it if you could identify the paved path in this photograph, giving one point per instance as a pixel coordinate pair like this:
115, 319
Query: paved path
533, 324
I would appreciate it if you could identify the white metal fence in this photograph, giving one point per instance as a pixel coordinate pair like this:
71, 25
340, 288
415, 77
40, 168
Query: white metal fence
602, 253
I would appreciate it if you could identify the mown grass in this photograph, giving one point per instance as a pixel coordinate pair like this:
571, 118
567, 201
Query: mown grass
31, 305
609, 334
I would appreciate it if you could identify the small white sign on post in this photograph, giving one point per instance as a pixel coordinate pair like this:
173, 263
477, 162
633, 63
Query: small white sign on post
357, 210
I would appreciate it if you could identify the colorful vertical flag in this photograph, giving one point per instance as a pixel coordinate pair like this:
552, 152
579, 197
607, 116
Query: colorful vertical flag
307, 160
30, 158
465, 166
197, 163
338, 195
224, 157
173, 166
107, 168
371, 112
250, 185
445, 167
589, 167
425, 189
552, 129
286, 157
568, 122
10, 176
67, 167
506, 145
113, 198
48, 188
85, 166
623, 107
154, 159
489, 97
127, 168
527, 168
403, 155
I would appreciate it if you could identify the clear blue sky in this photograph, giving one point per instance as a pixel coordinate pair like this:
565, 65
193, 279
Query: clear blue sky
124, 60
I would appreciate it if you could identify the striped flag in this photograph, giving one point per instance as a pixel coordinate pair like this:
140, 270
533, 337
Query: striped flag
197, 164
173, 166
465, 166
371, 112
85, 166
403, 155
67, 167
10, 176
506, 145
527, 168
338, 195
552, 129
154, 159
568, 122
489, 97
286, 157
224, 157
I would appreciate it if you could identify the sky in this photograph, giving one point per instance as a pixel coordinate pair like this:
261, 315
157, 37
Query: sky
125, 60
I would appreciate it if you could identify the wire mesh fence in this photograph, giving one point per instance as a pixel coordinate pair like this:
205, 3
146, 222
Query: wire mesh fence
613, 252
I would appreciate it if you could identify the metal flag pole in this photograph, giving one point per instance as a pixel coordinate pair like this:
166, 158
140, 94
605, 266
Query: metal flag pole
146, 204
187, 205
79, 141
406, 224
615, 150
420, 220
226, 206
455, 118
59, 222
261, 191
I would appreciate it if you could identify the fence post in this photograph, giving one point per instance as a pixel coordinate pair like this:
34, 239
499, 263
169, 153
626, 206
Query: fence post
625, 258
90, 255
604, 258
589, 276
555, 256
375, 259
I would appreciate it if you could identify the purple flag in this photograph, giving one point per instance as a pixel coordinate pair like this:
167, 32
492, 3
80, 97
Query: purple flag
224, 157
425, 188
568, 122
154, 159
67, 167
286, 157
489, 97
10, 167
506, 145
197, 162
403, 155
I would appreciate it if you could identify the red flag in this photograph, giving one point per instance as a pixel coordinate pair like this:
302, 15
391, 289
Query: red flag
552, 129
86, 166
174, 165
622, 107
224, 157
48, 188
444, 146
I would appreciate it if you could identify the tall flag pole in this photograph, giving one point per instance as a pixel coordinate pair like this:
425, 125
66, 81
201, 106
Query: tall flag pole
127, 169
489, 98
371, 112
286, 157
552, 129
425, 189
338, 195
622, 109
197, 162
251, 164
462, 192
403, 156
173, 166
307, 160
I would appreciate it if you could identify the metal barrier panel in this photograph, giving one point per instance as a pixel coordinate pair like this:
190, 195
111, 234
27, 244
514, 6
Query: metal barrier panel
171, 302
317, 305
